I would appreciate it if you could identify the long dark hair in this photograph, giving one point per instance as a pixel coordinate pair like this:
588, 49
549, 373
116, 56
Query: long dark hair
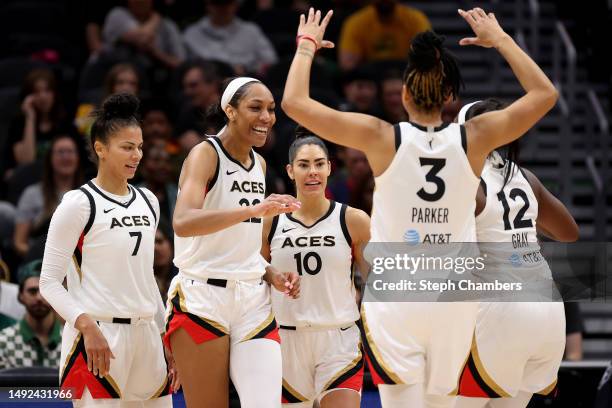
509, 152
49, 188
432, 73
57, 113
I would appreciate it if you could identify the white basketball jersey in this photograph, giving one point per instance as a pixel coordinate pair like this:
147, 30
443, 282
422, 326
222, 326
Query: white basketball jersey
321, 254
426, 195
509, 217
112, 267
232, 253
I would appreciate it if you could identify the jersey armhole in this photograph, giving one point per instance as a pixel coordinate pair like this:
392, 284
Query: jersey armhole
398, 136
213, 180
92, 210
343, 225
144, 196
463, 138
273, 228
484, 186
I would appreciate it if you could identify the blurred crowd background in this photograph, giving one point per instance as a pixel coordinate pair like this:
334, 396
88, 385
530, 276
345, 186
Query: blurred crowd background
59, 59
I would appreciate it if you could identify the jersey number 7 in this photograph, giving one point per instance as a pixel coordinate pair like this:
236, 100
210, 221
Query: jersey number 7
138, 236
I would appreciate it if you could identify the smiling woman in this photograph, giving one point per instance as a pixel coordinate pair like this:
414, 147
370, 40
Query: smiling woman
101, 238
220, 313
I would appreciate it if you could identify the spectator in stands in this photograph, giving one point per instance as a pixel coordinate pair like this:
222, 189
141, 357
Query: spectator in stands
201, 86
122, 77
163, 267
42, 115
391, 97
141, 31
352, 183
360, 90
222, 36
36, 339
159, 178
380, 31
62, 172
157, 125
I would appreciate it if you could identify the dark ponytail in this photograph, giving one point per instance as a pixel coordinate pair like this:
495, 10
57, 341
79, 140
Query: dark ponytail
304, 137
432, 73
118, 111
509, 152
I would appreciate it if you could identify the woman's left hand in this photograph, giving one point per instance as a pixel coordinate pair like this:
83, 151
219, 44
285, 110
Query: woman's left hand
285, 282
312, 26
173, 375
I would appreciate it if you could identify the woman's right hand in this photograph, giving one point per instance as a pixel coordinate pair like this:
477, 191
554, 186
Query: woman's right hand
276, 204
98, 352
27, 106
488, 31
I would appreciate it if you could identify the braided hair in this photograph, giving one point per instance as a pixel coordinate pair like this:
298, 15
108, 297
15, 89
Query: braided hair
432, 73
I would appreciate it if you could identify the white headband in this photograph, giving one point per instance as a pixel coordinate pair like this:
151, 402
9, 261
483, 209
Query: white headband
231, 89
463, 112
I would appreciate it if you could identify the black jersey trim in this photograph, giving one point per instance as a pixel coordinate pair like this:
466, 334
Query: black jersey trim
273, 228
484, 186
523, 173
144, 196
463, 138
92, 210
343, 225
398, 136
332, 205
230, 158
213, 180
124, 205
424, 128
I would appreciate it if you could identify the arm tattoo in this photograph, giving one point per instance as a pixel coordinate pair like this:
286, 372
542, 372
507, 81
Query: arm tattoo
306, 53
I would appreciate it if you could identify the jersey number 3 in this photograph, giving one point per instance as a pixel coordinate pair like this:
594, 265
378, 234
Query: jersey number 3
432, 177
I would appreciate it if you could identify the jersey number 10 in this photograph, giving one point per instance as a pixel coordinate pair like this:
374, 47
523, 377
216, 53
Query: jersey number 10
303, 264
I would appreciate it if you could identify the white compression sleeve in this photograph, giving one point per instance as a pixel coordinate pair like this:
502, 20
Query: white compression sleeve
66, 227
257, 373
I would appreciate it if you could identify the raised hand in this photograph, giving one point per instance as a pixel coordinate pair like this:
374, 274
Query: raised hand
312, 26
488, 31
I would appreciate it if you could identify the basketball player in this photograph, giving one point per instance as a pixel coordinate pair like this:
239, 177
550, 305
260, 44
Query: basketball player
102, 237
320, 345
423, 166
220, 316
518, 346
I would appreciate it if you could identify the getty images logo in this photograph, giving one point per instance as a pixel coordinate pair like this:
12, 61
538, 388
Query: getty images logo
412, 237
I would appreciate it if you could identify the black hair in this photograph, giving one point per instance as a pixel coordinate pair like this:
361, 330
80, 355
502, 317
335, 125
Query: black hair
304, 137
509, 152
118, 111
432, 73
215, 117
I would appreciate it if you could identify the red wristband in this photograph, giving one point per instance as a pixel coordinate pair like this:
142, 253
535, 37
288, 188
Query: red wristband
307, 37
